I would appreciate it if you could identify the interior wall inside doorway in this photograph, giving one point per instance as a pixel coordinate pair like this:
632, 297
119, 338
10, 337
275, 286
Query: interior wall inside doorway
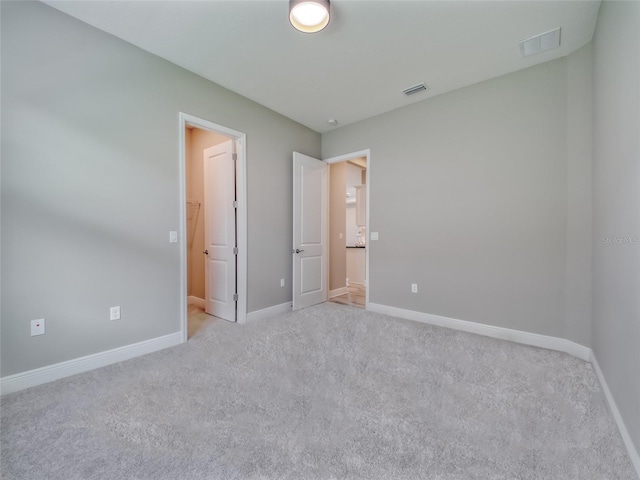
355, 176
197, 140
343, 231
337, 226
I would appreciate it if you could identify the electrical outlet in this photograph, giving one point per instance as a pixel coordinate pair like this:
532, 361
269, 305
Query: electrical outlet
282, 282
114, 313
414, 288
37, 327
374, 236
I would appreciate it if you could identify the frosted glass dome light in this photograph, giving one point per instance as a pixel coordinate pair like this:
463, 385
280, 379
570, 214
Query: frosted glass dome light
309, 16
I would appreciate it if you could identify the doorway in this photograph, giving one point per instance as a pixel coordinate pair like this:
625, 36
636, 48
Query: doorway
347, 232
311, 237
213, 234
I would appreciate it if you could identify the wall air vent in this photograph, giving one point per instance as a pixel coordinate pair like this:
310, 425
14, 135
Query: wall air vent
540, 43
421, 87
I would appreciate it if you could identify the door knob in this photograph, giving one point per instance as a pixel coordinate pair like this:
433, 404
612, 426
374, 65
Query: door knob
206, 252
299, 251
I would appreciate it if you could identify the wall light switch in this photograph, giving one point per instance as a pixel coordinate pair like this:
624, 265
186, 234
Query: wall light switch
37, 327
173, 236
340, 235
282, 282
374, 235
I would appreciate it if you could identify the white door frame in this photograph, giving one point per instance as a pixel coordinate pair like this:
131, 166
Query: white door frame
241, 194
342, 158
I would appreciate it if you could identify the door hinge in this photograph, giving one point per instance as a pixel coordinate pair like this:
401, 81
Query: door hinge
234, 156
235, 250
235, 297
235, 204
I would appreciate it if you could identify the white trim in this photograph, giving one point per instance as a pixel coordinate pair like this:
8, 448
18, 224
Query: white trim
348, 156
182, 230
31, 378
626, 438
269, 312
197, 301
241, 228
241, 232
337, 292
527, 338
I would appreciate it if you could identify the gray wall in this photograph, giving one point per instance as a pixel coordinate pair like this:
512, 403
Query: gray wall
579, 197
90, 187
481, 223
616, 225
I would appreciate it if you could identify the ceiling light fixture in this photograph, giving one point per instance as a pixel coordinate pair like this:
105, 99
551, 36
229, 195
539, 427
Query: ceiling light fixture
309, 16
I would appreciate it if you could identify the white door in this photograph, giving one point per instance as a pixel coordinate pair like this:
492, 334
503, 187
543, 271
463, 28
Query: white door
309, 231
220, 231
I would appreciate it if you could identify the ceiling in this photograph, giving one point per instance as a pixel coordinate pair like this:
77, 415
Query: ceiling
358, 66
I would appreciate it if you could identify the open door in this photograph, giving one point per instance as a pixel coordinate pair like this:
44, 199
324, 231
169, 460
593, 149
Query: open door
220, 231
309, 231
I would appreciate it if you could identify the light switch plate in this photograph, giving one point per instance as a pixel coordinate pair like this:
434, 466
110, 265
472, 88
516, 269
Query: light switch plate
374, 235
173, 236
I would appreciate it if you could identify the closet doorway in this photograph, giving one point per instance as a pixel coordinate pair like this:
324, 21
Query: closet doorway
214, 224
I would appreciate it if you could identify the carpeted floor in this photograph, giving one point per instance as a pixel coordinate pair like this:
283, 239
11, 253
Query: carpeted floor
329, 392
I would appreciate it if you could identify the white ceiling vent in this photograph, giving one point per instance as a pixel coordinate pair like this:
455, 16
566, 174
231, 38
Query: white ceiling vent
540, 43
421, 87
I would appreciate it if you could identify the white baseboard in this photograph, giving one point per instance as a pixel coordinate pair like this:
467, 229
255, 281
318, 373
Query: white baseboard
337, 292
269, 312
31, 378
197, 301
533, 339
626, 438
